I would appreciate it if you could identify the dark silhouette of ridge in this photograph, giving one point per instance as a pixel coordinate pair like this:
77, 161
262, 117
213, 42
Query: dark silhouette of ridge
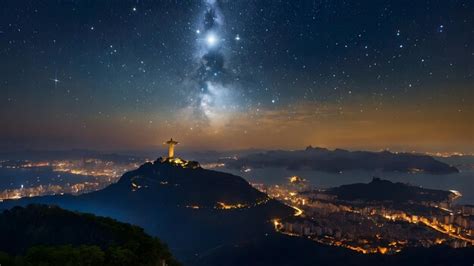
49, 235
385, 190
184, 206
321, 159
285, 250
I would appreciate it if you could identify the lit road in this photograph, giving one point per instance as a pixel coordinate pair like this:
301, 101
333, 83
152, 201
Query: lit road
298, 212
448, 233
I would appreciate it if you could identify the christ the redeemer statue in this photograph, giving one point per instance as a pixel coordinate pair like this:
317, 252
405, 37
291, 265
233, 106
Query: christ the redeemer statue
171, 143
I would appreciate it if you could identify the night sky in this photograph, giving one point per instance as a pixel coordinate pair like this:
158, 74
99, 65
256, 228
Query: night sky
118, 75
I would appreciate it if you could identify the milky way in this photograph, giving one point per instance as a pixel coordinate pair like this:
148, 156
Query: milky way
214, 94
127, 74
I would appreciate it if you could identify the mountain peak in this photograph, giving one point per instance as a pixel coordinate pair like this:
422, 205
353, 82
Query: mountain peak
182, 203
176, 161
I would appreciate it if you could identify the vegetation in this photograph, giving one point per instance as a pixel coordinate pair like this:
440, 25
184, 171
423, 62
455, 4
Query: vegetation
46, 235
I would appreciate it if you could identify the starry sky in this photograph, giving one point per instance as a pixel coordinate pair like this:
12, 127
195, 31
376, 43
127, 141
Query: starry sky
222, 74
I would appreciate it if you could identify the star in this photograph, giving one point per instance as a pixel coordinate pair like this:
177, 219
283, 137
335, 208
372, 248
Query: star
441, 28
211, 39
211, 75
56, 81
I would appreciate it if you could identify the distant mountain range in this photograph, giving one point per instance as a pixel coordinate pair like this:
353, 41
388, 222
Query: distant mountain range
321, 159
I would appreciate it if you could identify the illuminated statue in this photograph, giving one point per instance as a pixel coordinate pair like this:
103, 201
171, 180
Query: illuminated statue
171, 144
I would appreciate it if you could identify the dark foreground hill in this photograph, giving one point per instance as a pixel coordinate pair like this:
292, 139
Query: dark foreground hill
192, 209
281, 250
321, 159
49, 235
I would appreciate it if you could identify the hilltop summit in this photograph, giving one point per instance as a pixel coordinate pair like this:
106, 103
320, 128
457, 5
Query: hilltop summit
190, 208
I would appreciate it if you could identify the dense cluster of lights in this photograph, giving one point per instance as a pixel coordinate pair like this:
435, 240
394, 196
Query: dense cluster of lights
322, 203
43, 190
100, 172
